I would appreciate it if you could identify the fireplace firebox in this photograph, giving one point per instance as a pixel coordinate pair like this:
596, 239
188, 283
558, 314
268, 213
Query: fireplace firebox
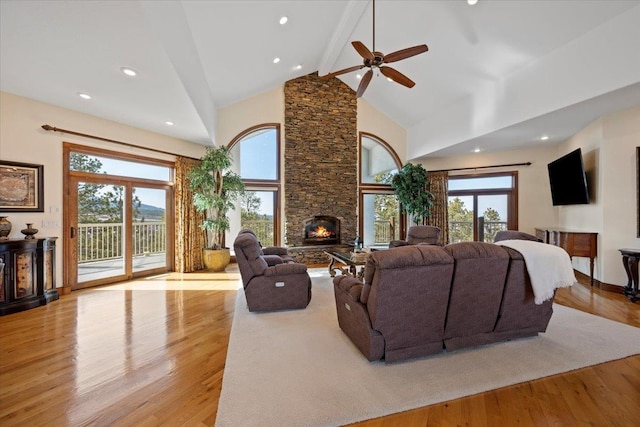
322, 230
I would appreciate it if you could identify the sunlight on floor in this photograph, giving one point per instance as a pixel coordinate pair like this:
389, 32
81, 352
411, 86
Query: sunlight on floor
203, 280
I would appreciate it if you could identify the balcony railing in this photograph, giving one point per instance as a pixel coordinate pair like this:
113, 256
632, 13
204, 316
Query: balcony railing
462, 231
103, 241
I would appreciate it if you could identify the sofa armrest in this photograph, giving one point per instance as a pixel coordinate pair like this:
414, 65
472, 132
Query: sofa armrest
273, 260
350, 285
398, 243
284, 269
275, 250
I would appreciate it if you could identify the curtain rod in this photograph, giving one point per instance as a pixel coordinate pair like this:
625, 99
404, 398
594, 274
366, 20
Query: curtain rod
483, 167
126, 144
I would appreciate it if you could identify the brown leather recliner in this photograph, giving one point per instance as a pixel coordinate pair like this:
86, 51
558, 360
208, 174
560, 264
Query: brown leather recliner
419, 234
273, 254
282, 285
421, 299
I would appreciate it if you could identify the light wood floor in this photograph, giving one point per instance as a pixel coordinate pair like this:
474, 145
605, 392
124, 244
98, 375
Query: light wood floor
152, 352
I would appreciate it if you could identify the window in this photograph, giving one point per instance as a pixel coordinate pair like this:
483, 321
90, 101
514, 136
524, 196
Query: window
482, 205
119, 216
380, 217
256, 154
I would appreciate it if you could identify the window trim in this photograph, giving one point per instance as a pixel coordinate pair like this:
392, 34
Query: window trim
239, 137
512, 196
274, 185
373, 188
70, 175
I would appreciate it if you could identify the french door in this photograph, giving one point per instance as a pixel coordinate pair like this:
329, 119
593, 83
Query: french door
126, 239
117, 227
481, 205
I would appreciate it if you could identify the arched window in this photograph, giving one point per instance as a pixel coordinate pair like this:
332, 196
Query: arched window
256, 158
380, 219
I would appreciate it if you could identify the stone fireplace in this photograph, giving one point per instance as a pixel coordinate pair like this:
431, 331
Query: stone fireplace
320, 163
322, 230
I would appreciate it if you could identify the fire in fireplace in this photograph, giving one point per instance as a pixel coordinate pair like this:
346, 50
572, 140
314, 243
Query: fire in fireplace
322, 230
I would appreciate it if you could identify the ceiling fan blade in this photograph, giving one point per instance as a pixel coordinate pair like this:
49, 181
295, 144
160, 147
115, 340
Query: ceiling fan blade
363, 50
364, 83
405, 53
346, 70
397, 76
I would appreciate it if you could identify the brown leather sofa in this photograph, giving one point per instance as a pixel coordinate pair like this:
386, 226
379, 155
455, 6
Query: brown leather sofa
514, 235
419, 234
419, 300
270, 281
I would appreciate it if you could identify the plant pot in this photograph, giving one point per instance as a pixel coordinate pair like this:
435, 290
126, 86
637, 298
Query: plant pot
216, 259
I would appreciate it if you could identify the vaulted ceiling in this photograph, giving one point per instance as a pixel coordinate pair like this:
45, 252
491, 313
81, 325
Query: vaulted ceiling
498, 74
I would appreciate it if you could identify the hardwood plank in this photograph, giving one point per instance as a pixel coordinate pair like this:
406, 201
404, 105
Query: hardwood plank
152, 351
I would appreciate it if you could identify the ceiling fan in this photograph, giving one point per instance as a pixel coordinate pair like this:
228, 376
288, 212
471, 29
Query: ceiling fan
373, 59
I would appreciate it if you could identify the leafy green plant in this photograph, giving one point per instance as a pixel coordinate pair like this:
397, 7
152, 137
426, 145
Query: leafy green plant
410, 185
215, 187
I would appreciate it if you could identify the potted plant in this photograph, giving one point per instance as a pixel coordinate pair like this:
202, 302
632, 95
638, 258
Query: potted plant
410, 185
215, 188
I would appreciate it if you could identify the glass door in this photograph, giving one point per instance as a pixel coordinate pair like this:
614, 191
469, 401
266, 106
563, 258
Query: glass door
481, 205
461, 218
492, 216
98, 231
149, 229
477, 217
118, 217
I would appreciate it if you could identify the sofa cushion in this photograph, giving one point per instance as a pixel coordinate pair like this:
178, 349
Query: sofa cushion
477, 287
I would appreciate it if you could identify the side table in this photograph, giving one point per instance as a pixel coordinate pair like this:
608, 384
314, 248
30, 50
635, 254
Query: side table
630, 259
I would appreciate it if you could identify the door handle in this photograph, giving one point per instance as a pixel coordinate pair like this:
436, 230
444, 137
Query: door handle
73, 232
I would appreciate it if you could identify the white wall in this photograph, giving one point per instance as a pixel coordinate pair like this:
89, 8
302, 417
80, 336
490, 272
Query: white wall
609, 152
534, 193
23, 140
268, 107
373, 121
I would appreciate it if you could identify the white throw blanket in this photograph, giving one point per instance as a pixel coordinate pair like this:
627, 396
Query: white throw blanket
549, 267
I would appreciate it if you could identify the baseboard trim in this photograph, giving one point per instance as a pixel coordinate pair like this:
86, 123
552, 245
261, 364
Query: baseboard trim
586, 280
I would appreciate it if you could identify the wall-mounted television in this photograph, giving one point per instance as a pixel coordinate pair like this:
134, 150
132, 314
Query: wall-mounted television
568, 180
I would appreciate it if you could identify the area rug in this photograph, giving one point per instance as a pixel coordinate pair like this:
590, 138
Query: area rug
297, 368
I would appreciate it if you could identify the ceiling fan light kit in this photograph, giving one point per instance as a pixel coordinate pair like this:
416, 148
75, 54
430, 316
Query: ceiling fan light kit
374, 59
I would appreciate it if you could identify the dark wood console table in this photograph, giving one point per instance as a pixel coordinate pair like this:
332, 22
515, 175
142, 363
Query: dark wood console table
27, 273
576, 243
630, 259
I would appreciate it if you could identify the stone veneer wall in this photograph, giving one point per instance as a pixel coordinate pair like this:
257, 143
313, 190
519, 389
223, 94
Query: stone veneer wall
321, 157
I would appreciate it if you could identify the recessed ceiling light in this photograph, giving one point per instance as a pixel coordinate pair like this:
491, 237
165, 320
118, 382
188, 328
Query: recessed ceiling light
128, 71
544, 137
169, 123
358, 76
390, 79
283, 20
472, 2
299, 67
84, 95
276, 60
476, 150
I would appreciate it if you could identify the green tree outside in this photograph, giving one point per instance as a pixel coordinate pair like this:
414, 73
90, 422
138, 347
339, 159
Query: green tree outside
460, 221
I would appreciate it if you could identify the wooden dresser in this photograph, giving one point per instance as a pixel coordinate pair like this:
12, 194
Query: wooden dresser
27, 273
576, 243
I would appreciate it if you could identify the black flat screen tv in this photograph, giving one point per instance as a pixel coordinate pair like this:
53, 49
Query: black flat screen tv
568, 180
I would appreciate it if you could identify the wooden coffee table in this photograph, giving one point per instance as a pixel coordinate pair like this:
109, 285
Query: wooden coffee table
347, 265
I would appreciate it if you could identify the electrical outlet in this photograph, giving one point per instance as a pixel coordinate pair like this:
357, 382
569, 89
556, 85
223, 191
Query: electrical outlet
279, 284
